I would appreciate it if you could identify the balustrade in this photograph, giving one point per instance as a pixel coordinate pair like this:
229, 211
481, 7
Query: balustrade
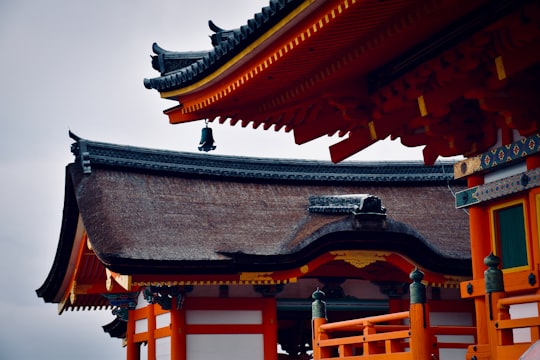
396, 336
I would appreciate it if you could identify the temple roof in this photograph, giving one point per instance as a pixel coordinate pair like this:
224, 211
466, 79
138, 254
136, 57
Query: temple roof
183, 68
455, 76
157, 212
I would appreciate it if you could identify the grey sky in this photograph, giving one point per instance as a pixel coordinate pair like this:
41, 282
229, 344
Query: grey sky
80, 65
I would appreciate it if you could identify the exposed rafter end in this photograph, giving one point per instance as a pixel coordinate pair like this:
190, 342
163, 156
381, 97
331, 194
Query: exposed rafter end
356, 142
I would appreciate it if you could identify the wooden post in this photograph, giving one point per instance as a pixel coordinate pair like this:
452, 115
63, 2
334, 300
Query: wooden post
493, 277
318, 318
178, 331
132, 349
151, 318
269, 328
422, 346
480, 245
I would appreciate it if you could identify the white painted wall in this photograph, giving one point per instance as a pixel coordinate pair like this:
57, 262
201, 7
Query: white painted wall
521, 311
225, 347
223, 317
455, 319
163, 348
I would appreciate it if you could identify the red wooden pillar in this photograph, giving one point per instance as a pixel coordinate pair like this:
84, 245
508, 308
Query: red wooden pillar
178, 332
493, 278
151, 318
480, 246
318, 318
270, 328
132, 349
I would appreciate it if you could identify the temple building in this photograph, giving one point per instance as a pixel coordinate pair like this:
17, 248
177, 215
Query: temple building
193, 249
201, 256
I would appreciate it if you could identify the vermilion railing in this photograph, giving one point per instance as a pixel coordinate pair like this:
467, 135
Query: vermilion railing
378, 337
506, 346
503, 341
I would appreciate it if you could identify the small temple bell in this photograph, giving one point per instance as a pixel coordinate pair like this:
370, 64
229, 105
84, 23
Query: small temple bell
207, 139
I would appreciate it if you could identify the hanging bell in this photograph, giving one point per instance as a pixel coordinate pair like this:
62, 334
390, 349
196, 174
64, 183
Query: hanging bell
207, 140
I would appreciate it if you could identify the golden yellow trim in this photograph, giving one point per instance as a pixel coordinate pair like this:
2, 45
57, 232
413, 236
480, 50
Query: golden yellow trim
422, 106
256, 276
451, 281
215, 282
241, 55
501, 72
304, 269
360, 258
73, 292
493, 233
372, 131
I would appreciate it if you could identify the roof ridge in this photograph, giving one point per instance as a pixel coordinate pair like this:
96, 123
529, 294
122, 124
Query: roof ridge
91, 154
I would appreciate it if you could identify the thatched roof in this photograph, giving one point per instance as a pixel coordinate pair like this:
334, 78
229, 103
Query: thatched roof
150, 212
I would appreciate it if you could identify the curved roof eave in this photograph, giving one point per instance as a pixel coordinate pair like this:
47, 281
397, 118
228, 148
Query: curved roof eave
342, 235
51, 287
228, 44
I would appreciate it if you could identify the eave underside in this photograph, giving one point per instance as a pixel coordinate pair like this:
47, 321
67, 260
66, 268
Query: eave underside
456, 93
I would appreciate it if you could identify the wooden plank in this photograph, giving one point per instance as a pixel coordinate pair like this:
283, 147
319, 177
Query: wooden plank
511, 351
518, 323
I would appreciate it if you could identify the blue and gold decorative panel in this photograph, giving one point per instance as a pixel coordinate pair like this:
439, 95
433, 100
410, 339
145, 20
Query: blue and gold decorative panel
498, 189
499, 156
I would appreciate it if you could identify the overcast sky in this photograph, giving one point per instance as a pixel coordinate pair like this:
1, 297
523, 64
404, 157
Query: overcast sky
80, 65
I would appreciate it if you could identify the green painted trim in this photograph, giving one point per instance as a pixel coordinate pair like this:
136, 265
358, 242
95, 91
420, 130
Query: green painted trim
466, 197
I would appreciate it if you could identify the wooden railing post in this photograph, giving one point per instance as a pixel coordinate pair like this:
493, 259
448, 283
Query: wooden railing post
422, 344
318, 318
493, 278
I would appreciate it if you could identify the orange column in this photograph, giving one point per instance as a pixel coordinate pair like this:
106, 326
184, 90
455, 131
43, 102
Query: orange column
420, 336
178, 332
151, 332
480, 248
318, 318
494, 282
132, 349
422, 343
270, 328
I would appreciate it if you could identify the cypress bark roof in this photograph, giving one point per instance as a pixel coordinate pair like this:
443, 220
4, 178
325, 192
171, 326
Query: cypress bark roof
160, 212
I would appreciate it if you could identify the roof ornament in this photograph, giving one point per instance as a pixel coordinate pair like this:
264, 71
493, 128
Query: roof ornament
207, 139
79, 149
221, 35
356, 204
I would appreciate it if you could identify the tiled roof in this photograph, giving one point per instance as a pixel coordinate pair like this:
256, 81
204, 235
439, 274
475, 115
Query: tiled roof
183, 68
